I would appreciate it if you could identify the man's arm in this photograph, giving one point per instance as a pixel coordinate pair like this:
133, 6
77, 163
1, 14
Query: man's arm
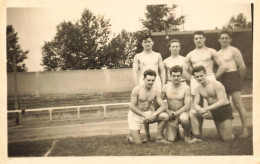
163, 95
221, 96
222, 68
240, 62
133, 102
166, 71
186, 106
197, 100
136, 69
186, 66
160, 103
161, 70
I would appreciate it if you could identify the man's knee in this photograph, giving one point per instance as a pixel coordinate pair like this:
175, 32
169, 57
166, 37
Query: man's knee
193, 113
184, 118
163, 116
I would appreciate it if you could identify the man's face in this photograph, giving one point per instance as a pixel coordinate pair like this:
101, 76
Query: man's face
224, 40
149, 81
200, 76
175, 48
199, 40
147, 44
176, 77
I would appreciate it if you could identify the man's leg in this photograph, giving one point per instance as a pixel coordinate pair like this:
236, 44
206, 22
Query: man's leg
196, 122
162, 123
218, 130
147, 131
225, 128
237, 102
136, 137
185, 122
172, 130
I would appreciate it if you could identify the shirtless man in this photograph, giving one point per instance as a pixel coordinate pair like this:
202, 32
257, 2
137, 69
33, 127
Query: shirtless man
219, 106
148, 59
206, 57
175, 58
178, 99
141, 99
232, 78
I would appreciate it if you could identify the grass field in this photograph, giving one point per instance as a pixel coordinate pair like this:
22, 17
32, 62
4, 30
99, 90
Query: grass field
117, 145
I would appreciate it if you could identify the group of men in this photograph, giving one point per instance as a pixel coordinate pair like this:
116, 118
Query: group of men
192, 90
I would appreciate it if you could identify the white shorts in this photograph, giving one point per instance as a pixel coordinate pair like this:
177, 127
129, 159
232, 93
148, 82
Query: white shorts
194, 84
136, 121
157, 83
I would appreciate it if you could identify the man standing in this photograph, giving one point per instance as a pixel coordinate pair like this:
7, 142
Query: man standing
206, 57
219, 106
178, 99
148, 59
232, 78
139, 113
174, 59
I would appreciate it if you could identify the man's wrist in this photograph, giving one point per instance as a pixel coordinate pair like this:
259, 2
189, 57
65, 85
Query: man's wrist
173, 114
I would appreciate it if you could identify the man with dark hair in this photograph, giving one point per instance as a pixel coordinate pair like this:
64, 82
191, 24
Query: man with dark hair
178, 99
232, 78
141, 99
205, 56
174, 59
148, 59
219, 106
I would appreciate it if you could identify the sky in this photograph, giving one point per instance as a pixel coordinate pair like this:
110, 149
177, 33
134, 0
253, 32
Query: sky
36, 25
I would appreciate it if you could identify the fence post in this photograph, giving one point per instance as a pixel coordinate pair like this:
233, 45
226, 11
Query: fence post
105, 111
50, 112
78, 112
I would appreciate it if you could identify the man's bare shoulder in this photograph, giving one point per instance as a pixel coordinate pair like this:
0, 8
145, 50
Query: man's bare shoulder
157, 54
234, 49
216, 84
136, 90
212, 50
185, 86
166, 60
138, 55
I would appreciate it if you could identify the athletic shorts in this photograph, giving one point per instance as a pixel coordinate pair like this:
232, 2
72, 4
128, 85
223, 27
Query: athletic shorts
194, 84
175, 122
157, 83
223, 113
136, 121
231, 81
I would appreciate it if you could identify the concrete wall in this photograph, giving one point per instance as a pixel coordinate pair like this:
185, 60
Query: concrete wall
71, 82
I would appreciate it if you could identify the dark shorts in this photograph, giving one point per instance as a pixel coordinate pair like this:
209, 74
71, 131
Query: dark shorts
231, 81
223, 113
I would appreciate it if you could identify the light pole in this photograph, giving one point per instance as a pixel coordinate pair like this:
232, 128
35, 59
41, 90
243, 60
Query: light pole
17, 120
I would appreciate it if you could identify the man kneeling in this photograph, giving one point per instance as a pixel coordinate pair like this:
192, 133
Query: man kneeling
178, 97
219, 106
142, 97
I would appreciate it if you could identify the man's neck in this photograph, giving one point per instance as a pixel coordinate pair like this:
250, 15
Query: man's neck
148, 51
174, 55
176, 85
200, 48
225, 47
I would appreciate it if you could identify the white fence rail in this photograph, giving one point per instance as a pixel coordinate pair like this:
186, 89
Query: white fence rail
78, 108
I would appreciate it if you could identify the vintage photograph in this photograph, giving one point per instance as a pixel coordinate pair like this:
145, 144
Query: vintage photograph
129, 79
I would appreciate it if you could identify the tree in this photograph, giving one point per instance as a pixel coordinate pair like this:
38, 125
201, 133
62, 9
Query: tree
120, 51
14, 50
162, 18
239, 22
77, 46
